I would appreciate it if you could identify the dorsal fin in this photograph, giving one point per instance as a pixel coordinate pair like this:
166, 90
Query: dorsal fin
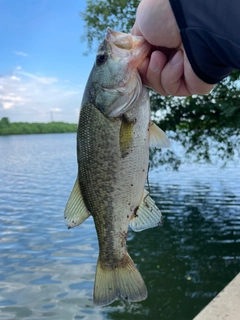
158, 138
75, 212
147, 216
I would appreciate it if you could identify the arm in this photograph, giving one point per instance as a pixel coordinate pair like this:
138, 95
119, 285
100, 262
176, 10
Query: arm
210, 35
175, 69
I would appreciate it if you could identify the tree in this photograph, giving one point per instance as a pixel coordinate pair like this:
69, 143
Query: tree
207, 126
4, 122
4, 125
102, 14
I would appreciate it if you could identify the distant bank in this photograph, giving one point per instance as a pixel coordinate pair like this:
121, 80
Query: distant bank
8, 128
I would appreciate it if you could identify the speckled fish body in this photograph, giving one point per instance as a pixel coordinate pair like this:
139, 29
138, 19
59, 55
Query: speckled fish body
112, 151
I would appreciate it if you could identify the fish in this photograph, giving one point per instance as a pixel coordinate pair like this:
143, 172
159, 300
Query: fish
113, 139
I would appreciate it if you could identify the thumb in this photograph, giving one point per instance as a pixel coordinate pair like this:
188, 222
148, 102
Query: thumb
135, 30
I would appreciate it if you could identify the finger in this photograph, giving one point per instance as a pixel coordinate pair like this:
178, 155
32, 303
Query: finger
135, 30
172, 76
157, 62
142, 69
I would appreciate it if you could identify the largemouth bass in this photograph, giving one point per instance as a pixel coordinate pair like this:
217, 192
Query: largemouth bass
113, 139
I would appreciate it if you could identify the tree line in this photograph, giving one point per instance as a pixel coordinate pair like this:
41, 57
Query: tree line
8, 128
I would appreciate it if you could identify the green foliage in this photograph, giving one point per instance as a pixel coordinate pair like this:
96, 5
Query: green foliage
207, 126
102, 14
4, 122
7, 128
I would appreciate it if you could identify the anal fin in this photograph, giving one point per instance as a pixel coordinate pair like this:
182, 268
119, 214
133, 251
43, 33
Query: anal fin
158, 138
147, 216
75, 211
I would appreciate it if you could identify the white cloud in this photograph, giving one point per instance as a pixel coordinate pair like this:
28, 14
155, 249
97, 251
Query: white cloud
7, 105
55, 109
15, 78
8, 99
22, 89
25, 96
20, 53
43, 80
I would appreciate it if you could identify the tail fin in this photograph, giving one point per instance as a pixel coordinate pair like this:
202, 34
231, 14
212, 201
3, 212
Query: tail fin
123, 280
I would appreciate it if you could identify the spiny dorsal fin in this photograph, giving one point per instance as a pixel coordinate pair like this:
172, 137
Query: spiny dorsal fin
158, 138
75, 212
147, 216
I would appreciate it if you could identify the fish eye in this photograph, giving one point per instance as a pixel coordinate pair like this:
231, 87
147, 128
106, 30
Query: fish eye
101, 58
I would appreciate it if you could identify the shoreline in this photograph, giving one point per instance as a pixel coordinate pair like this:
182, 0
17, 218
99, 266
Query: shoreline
18, 128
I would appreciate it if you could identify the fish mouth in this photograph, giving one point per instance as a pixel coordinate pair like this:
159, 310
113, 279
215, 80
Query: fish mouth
122, 40
138, 48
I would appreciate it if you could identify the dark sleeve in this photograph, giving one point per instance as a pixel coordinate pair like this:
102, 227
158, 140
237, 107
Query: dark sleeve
210, 32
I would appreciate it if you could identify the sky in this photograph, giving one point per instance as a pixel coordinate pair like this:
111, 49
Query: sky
43, 69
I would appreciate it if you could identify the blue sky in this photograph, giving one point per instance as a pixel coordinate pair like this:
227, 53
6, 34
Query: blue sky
43, 71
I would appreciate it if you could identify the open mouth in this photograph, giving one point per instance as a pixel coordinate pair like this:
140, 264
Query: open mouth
123, 40
134, 48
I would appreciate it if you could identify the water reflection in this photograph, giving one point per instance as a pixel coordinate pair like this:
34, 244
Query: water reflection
47, 271
187, 262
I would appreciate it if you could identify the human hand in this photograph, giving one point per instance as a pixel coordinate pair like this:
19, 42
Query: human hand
168, 70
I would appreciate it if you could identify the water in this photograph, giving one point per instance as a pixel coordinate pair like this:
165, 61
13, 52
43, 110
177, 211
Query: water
47, 271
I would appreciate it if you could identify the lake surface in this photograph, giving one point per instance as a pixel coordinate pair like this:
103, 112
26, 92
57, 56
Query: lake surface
47, 271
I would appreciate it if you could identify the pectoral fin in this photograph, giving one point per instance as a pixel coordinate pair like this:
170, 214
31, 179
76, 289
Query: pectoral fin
158, 138
126, 136
75, 212
147, 216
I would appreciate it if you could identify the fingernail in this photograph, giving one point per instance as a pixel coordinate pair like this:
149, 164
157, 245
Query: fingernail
153, 64
176, 58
